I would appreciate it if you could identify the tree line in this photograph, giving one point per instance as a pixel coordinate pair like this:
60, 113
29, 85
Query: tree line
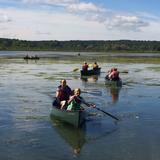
80, 45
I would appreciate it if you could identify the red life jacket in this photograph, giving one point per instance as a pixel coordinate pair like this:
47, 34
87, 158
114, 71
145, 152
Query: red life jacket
115, 74
64, 92
85, 67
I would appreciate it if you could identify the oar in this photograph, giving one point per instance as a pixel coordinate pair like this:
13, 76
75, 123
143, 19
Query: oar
76, 69
125, 71
94, 106
106, 113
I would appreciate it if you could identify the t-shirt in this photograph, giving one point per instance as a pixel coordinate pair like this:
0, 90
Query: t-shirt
75, 104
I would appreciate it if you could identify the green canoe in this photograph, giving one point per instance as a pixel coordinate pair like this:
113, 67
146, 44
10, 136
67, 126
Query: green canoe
75, 118
91, 72
117, 83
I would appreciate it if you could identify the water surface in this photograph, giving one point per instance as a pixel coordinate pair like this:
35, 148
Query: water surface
27, 131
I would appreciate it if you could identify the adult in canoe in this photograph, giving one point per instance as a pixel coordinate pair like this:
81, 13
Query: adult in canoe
74, 114
91, 72
113, 74
85, 66
95, 66
62, 94
113, 79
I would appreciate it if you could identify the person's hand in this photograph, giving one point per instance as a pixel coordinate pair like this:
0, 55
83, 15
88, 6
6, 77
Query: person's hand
93, 105
73, 97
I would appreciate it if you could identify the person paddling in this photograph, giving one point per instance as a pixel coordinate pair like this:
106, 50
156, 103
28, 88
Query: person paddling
62, 94
95, 66
74, 103
113, 75
85, 66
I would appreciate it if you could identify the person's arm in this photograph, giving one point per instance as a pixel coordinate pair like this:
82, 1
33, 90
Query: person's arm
58, 92
110, 75
71, 99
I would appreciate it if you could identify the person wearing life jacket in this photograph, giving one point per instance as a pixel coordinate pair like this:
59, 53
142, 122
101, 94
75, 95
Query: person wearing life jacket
85, 66
114, 75
74, 103
108, 74
95, 66
62, 94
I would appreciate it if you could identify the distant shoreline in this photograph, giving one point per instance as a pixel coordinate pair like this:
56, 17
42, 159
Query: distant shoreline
84, 56
53, 54
107, 46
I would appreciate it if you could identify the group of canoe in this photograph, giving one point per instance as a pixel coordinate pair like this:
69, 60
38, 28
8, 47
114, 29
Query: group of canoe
27, 57
77, 117
112, 77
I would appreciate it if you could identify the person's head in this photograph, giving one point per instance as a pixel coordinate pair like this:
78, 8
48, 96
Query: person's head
112, 69
95, 62
77, 91
63, 82
85, 62
115, 69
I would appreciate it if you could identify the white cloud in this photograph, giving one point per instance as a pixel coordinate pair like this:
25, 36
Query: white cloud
84, 7
92, 12
41, 25
122, 22
79, 20
51, 2
4, 18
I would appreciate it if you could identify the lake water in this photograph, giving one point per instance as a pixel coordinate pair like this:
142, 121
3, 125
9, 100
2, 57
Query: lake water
27, 89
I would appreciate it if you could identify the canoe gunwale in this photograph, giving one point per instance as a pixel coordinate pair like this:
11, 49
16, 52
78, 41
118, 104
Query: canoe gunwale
117, 83
75, 118
91, 72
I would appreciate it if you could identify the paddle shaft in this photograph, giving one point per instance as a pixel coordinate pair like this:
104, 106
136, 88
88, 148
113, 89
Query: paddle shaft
89, 105
107, 113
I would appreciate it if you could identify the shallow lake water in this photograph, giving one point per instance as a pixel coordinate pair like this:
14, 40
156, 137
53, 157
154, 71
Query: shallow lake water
27, 131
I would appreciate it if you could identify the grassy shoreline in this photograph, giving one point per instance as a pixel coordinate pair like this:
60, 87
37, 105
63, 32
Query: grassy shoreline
89, 59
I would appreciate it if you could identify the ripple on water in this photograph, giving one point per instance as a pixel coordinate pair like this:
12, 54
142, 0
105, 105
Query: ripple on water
26, 97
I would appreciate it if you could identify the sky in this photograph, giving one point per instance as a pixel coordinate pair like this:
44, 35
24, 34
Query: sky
80, 19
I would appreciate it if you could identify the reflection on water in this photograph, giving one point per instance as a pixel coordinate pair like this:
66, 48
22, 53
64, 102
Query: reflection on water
114, 92
26, 92
75, 137
93, 130
93, 78
30, 60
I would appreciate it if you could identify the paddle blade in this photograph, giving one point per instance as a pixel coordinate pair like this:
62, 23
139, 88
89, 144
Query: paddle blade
125, 71
76, 69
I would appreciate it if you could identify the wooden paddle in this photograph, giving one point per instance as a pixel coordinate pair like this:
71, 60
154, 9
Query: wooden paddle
107, 113
125, 71
76, 69
94, 106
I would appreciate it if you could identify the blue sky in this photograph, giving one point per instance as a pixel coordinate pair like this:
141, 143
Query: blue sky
80, 19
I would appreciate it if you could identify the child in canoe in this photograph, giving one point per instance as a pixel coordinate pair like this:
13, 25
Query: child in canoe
74, 103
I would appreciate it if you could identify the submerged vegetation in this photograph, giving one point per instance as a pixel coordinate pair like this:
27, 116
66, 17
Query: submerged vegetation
79, 46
